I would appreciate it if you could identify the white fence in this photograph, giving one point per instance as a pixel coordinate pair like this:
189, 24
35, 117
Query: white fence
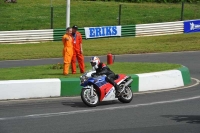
30, 36
26, 36
156, 29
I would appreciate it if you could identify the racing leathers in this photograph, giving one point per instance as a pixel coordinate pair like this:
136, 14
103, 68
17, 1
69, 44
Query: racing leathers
103, 69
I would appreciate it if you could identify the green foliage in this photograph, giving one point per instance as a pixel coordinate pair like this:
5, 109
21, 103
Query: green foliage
57, 66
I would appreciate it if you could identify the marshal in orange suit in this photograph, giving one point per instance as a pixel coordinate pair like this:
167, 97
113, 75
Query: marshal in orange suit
78, 50
67, 50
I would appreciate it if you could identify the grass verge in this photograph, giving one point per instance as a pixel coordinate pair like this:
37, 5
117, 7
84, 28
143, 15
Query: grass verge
35, 14
123, 45
46, 71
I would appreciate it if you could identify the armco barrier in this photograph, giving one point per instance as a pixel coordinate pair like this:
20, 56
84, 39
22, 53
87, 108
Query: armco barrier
22, 36
58, 33
156, 29
152, 29
37, 88
127, 30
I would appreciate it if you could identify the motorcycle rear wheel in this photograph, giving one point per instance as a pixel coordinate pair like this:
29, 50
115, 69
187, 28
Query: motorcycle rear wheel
126, 96
91, 101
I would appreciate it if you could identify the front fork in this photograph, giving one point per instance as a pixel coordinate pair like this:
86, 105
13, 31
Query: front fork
92, 91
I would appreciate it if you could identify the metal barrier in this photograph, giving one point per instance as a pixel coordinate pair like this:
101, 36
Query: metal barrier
25, 36
58, 33
156, 29
127, 30
153, 29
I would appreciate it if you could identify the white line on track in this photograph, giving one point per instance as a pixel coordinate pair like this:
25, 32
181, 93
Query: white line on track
95, 110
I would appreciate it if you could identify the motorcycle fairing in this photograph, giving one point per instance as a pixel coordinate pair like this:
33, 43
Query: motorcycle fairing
107, 90
100, 81
110, 95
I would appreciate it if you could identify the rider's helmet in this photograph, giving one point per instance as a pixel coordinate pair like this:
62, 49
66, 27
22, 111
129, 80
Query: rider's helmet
94, 61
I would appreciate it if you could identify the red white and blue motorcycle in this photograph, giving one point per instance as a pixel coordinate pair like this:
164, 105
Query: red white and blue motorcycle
96, 89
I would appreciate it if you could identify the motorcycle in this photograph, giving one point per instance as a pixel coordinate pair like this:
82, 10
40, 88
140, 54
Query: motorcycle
96, 89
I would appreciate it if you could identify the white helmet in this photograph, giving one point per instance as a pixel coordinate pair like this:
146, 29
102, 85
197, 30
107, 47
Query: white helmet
94, 61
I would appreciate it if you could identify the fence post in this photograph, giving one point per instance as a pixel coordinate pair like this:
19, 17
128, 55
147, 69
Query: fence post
119, 20
182, 9
51, 17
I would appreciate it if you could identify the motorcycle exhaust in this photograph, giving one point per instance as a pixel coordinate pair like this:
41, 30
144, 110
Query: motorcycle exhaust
126, 84
129, 82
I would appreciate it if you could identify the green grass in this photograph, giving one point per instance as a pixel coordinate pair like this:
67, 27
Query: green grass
35, 14
123, 45
46, 71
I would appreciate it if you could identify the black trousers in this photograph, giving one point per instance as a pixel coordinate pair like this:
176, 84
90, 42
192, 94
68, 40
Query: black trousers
110, 78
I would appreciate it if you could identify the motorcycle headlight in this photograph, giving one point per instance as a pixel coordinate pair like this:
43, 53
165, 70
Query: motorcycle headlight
83, 79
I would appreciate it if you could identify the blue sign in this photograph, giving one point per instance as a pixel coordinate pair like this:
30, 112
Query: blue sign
191, 26
104, 31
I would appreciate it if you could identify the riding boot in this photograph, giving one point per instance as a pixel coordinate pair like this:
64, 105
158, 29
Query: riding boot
117, 88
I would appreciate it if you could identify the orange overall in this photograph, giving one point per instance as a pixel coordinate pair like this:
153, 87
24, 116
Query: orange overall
77, 46
67, 52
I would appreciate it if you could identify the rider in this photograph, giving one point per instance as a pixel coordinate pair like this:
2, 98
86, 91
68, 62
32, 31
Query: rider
103, 69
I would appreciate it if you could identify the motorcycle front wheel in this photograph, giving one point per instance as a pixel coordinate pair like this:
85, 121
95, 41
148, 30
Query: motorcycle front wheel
91, 101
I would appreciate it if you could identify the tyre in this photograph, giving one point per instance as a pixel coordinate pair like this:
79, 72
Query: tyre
126, 96
91, 101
